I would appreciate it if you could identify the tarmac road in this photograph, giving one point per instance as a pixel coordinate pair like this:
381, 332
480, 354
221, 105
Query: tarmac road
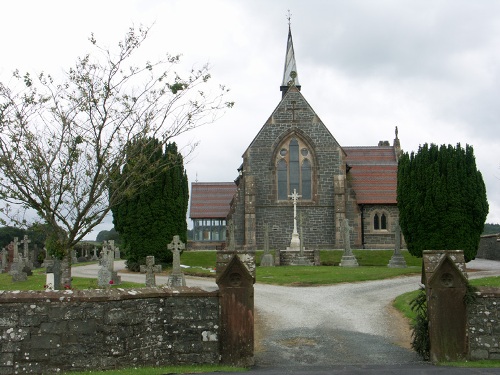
338, 329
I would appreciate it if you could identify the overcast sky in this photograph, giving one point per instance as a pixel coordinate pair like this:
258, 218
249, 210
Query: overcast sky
430, 67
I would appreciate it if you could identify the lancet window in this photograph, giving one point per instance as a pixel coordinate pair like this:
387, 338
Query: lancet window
294, 169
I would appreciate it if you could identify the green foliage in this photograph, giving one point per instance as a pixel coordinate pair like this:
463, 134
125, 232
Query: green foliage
35, 232
147, 219
420, 327
106, 235
441, 200
490, 228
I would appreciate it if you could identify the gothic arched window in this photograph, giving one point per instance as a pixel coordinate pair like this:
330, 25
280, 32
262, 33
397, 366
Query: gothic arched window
380, 221
294, 169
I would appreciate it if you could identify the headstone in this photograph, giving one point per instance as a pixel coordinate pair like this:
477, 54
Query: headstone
48, 261
348, 259
150, 269
54, 269
267, 259
176, 277
3, 260
117, 253
26, 241
74, 259
17, 268
397, 260
108, 261
104, 275
94, 257
49, 281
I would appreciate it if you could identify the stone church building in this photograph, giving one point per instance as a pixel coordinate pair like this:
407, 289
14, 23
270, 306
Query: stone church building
295, 151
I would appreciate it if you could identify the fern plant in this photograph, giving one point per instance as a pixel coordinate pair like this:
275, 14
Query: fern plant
420, 327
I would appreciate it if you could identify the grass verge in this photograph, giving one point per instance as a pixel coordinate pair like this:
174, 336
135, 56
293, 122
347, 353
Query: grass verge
37, 282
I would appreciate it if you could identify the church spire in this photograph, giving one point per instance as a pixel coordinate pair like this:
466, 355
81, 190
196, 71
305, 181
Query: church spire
290, 76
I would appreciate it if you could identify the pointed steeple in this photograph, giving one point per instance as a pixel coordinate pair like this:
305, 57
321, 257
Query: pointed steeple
290, 76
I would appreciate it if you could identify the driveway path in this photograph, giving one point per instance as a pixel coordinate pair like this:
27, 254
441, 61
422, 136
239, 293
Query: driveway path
338, 325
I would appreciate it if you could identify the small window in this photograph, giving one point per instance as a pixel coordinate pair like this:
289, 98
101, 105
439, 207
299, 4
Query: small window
380, 221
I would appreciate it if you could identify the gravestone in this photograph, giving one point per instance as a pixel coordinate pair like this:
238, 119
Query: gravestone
94, 257
17, 263
28, 264
3, 260
446, 286
176, 277
397, 260
48, 261
104, 275
267, 259
150, 269
17, 268
348, 258
117, 253
109, 253
74, 259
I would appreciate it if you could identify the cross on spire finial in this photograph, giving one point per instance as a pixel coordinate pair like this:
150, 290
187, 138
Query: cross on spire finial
289, 17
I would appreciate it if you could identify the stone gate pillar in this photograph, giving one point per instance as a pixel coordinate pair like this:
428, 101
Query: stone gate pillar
446, 285
237, 314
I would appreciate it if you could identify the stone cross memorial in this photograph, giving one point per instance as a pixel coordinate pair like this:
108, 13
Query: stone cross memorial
267, 259
348, 259
150, 269
295, 242
397, 260
176, 277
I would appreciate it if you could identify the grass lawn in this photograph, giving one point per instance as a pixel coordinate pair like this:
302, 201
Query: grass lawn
37, 282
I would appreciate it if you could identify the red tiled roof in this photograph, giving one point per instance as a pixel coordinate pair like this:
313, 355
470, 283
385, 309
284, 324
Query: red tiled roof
373, 174
211, 200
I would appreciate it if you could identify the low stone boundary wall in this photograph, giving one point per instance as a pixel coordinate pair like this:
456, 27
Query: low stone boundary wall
489, 247
484, 325
49, 332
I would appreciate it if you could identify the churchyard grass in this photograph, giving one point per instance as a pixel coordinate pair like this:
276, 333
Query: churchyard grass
326, 275
37, 282
187, 369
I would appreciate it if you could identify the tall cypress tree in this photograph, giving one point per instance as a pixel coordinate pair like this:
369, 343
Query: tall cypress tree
148, 219
441, 200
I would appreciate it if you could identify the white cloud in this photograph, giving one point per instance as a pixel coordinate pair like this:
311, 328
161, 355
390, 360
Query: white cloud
429, 67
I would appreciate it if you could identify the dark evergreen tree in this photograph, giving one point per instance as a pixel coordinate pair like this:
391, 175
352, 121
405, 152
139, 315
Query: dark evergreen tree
441, 200
148, 219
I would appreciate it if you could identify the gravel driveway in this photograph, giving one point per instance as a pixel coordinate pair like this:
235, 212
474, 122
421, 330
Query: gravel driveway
345, 324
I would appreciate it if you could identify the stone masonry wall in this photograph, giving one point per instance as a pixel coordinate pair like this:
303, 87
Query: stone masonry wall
484, 325
48, 332
489, 247
379, 239
259, 162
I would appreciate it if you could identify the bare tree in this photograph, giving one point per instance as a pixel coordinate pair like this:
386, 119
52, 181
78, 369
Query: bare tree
60, 142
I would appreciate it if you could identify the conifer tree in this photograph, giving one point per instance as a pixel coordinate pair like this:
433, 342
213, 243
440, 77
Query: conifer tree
441, 200
148, 219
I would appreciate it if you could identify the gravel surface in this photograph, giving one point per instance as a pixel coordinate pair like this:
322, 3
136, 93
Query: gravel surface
344, 324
